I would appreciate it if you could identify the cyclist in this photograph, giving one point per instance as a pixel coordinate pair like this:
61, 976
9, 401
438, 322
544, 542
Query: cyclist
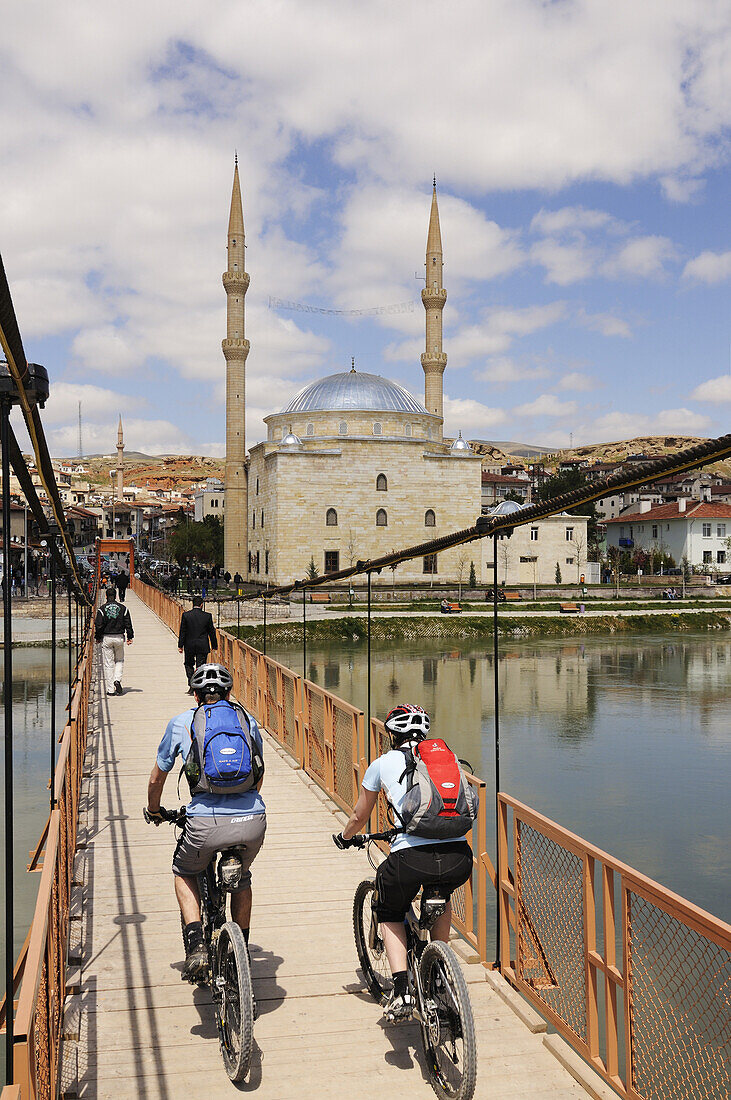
413, 861
213, 821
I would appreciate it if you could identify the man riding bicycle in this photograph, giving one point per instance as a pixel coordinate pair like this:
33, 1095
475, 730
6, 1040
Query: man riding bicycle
413, 861
213, 822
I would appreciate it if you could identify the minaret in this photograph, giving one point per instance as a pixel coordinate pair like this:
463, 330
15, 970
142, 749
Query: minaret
120, 460
235, 351
434, 296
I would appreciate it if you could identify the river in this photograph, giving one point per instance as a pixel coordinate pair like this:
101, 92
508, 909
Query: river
627, 742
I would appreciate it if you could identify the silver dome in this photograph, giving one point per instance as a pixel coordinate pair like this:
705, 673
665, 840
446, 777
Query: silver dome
460, 444
291, 439
354, 390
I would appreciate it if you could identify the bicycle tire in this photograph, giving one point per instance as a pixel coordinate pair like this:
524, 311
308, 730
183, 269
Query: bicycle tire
372, 956
235, 1011
449, 1038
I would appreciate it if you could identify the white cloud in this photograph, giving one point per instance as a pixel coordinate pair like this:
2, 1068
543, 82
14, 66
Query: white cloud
469, 416
643, 257
149, 436
605, 323
502, 371
569, 219
620, 425
546, 405
709, 267
715, 389
96, 402
575, 380
564, 263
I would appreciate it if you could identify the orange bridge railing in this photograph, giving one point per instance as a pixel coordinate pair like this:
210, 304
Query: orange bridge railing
636, 979
40, 973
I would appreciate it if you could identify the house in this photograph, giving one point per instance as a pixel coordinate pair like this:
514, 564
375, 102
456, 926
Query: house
695, 530
496, 486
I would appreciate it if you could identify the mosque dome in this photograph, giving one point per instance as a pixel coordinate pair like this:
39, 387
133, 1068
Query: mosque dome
291, 439
354, 390
461, 445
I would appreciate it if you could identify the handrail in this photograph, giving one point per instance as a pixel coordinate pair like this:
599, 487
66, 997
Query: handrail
40, 973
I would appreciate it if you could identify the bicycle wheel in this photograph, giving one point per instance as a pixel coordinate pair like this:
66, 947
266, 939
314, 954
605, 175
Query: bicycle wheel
447, 1029
234, 1001
369, 942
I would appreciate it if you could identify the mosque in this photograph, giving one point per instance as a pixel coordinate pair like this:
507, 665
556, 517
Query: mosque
354, 466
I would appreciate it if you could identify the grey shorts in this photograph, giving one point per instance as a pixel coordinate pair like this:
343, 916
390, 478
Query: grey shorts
203, 836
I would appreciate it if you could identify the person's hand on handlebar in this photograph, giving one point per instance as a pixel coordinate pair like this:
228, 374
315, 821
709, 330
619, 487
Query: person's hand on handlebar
355, 842
156, 817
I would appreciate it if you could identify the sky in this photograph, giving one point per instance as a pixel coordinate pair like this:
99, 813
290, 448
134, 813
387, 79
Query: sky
581, 151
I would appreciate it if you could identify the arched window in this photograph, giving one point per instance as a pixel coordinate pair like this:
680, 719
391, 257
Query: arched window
430, 520
382, 483
428, 433
407, 430
381, 518
310, 429
343, 427
331, 518
377, 428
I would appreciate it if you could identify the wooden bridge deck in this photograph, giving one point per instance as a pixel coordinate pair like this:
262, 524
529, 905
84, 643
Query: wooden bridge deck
137, 1031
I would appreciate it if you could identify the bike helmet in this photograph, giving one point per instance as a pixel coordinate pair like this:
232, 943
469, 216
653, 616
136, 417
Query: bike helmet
211, 678
407, 722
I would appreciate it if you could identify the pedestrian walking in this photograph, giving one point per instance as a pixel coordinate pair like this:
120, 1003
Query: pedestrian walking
196, 637
122, 584
111, 625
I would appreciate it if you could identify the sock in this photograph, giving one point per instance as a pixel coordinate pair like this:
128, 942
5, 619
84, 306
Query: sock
193, 935
246, 935
400, 983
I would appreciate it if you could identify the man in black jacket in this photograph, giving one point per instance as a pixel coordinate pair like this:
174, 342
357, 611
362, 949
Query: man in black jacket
111, 624
196, 632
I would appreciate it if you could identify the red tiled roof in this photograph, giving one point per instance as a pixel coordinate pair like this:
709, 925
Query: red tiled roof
694, 509
503, 479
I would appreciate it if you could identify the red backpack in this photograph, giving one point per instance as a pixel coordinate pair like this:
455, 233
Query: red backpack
439, 803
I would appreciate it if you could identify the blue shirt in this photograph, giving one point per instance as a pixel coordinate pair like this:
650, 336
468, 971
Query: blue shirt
177, 740
384, 774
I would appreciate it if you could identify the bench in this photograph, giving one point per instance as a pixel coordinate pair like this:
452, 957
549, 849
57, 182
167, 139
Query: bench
566, 608
513, 596
319, 597
450, 609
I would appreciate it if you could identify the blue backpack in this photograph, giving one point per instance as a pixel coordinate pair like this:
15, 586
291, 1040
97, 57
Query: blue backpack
224, 757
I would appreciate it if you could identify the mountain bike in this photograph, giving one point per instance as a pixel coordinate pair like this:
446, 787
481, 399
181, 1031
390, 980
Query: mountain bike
229, 975
443, 1009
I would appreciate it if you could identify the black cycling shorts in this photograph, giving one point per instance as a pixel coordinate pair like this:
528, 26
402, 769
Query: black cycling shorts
400, 876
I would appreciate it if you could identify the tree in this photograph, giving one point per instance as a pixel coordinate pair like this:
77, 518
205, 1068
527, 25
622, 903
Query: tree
351, 552
513, 495
558, 573
461, 565
505, 556
564, 482
473, 576
579, 544
312, 572
197, 541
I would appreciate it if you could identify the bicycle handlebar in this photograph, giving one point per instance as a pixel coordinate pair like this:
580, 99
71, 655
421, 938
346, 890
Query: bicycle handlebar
173, 817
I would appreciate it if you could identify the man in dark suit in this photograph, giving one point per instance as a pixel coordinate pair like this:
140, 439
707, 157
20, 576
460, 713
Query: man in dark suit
196, 632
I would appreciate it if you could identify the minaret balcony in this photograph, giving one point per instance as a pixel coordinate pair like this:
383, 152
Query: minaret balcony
434, 361
434, 297
235, 349
235, 281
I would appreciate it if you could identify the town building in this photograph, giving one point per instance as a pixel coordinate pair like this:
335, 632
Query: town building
530, 555
695, 531
210, 500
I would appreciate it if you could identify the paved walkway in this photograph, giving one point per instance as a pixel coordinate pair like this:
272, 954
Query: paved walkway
143, 1033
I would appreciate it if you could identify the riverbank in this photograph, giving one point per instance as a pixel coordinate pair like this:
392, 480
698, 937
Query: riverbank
395, 628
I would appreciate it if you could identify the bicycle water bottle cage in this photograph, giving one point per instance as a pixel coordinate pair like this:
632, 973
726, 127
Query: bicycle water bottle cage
230, 870
433, 906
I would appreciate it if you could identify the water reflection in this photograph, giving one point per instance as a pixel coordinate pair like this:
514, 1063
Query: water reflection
31, 701
625, 742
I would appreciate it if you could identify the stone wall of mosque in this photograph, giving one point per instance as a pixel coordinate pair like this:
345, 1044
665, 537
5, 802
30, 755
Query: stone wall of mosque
359, 499
350, 422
